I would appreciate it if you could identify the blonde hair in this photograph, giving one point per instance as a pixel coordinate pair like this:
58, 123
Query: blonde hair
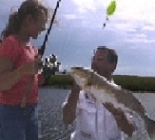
28, 7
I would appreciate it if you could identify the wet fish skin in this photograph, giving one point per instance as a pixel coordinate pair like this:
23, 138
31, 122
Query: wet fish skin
97, 84
93, 81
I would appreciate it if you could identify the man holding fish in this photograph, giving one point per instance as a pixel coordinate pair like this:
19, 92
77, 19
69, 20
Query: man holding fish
95, 120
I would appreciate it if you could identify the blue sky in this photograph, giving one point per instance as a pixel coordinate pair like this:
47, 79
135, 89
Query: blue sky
130, 31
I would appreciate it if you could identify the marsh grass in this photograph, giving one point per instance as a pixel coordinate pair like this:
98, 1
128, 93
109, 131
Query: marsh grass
133, 83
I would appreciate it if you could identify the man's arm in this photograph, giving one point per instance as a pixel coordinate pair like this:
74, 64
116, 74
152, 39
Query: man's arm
69, 108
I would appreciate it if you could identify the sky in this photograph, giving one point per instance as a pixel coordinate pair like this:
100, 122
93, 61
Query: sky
130, 31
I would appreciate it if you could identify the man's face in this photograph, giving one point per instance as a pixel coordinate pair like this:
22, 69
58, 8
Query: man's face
100, 62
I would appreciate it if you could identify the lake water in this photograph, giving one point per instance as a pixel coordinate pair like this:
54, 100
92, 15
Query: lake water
50, 122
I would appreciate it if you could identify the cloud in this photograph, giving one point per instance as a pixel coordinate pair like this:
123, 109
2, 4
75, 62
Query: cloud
122, 26
84, 5
138, 37
70, 16
149, 28
133, 12
136, 10
136, 40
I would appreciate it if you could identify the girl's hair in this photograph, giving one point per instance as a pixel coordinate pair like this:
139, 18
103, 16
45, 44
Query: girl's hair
28, 7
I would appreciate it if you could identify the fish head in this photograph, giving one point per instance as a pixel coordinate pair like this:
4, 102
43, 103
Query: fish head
83, 73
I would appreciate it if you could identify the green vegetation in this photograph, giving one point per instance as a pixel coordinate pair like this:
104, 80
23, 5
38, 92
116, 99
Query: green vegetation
136, 83
133, 83
59, 81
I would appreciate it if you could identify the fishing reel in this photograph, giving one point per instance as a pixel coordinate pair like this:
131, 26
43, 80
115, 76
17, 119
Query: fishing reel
50, 66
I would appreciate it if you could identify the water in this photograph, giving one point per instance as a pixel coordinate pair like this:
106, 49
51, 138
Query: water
50, 122
50, 115
148, 101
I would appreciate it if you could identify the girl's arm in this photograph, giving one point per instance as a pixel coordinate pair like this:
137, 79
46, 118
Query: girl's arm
8, 77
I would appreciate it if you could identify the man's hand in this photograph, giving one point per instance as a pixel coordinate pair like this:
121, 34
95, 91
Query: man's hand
123, 123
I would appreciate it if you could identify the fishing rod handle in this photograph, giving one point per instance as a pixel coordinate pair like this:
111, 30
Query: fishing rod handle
27, 91
29, 86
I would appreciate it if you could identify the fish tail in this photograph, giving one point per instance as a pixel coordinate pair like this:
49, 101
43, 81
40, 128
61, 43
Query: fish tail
150, 126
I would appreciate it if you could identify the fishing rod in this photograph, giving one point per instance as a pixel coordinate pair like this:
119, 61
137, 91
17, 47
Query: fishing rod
40, 55
42, 50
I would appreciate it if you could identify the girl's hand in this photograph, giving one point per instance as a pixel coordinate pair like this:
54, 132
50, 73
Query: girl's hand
41, 79
30, 68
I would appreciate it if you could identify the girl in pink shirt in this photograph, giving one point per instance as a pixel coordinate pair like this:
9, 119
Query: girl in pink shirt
18, 63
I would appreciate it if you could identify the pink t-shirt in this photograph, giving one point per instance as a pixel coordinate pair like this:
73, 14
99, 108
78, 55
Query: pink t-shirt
12, 49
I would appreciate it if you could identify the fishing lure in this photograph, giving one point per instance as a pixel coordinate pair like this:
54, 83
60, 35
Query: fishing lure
110, 11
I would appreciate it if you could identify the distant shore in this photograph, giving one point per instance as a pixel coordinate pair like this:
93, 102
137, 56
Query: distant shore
133, 83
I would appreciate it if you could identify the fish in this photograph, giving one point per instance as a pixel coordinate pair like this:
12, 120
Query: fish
104, 91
